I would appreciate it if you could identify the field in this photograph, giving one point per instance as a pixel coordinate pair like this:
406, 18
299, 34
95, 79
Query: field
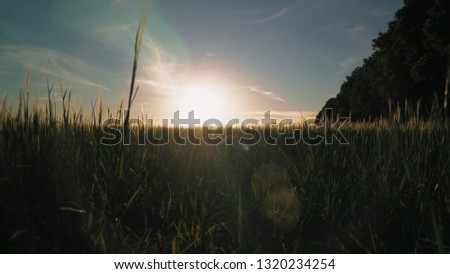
62, 191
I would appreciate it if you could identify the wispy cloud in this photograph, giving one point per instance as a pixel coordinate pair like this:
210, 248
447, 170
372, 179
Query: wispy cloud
284, 11
159, 70
257, 90
54, 63
295, 115
159, 67
346, 65
355, 30
343, 29
161, 74
114, 28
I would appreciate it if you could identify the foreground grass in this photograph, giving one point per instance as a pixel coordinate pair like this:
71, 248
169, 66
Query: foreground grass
62, 191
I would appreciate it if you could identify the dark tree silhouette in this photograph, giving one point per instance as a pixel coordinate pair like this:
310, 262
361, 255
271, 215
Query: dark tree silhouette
410, 63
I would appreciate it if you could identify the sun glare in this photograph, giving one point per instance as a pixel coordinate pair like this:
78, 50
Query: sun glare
206, 99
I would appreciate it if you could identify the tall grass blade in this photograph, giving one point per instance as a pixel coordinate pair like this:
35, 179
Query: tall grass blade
137, 48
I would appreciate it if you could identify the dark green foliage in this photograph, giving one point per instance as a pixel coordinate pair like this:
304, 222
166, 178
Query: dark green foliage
410, 64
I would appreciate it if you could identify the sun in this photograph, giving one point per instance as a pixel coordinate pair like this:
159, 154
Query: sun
206, 99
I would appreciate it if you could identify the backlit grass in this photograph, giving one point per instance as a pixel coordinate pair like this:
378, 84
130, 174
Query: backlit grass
62, 191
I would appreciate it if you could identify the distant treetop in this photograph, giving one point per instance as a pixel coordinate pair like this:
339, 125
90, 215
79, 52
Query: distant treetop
410, 63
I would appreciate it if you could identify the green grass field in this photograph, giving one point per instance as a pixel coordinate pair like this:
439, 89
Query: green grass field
61, 191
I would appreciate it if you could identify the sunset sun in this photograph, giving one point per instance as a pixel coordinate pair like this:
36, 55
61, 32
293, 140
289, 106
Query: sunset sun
207, 100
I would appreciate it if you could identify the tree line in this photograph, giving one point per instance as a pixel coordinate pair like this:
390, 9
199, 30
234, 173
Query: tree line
409, 68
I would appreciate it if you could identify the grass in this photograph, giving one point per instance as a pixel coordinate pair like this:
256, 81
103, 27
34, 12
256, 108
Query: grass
62, 191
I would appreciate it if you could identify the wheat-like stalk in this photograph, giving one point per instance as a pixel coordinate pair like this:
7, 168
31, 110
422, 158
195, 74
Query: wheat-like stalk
137, 48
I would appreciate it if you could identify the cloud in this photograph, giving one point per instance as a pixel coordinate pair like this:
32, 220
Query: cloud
158, 71
160, 74
343, 30
162, 79
295, 115
355, 30
53, 63
159, 88
279, 99
158, 66
269, 94
347, 65
120, 27
276, 15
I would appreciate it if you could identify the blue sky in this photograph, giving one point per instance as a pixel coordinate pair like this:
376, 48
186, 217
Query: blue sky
289, 56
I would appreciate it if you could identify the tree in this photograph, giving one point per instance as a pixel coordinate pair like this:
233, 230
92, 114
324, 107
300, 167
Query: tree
410, 62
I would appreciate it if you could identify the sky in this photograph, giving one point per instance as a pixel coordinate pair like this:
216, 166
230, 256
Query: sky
223, 59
